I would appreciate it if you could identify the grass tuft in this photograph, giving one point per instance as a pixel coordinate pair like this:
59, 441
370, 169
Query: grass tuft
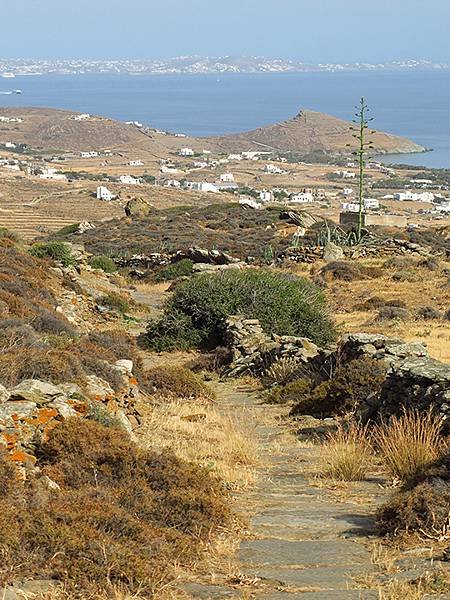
346, 454
409, 444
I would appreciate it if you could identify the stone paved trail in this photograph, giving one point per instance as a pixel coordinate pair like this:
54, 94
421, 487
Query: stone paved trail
306, 543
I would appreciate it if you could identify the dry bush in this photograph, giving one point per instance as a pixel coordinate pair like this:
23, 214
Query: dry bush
346, 454
387, 313
422, 505
400, 590
348, 388
123, 516
409, 444
175, 382
428, 313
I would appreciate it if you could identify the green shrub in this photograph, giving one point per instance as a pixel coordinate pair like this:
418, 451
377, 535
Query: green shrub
104, 263
68, 229
350, 385
284, 305
55, 250
8, 235
293, 392
115, 302
182, 268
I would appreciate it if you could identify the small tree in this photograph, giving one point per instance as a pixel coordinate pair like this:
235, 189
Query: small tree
362, 135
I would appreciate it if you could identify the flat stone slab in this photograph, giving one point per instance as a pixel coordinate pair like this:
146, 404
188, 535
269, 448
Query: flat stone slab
209, 592
284, 553
323, 578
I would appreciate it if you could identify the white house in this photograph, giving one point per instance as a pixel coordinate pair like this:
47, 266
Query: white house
273, 170
165, 169
414, 196
136, 163
302, 198
53, 174
88, 154
10, 145
201, 186
173, 183
266, 196
371, 203
135, 123
347, 191
186, 152
200, 164
345, 174
129, 180
444, 207
227, 178
82, 117
350, 206
104, 194
234, 157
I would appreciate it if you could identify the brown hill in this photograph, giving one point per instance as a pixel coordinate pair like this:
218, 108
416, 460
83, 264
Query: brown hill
311, 131
52, 129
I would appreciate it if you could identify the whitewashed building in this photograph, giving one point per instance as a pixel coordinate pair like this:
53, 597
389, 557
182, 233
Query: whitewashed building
347, 191
172, 183
91, 154
186, 152
129, 180
302, 198
371, 203
136, 163
104, 194
266, 196
414, 196
273, 169
227, 178
201, 186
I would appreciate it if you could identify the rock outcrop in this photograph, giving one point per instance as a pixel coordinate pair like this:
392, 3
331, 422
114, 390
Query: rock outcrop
33, 407
254, 351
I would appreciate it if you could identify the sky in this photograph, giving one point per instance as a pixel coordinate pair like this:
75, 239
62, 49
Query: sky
309, 31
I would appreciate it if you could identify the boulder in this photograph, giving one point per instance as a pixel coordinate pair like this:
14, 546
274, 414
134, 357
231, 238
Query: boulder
34, 390
124, 366
332, 252
98, 389
4, 394
138, 207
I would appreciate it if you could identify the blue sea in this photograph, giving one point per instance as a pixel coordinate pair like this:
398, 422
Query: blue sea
415, 104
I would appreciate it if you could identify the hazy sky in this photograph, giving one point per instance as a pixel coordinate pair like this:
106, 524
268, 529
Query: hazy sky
308, 30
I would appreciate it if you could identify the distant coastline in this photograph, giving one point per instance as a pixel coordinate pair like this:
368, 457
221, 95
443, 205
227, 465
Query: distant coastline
198, 65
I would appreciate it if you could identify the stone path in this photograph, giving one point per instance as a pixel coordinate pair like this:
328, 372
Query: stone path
306, 542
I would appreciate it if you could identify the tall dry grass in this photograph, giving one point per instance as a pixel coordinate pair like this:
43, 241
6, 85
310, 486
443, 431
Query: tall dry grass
409, 444
346, 454
200, 434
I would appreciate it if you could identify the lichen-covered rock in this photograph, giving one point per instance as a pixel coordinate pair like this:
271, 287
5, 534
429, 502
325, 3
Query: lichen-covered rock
35, 390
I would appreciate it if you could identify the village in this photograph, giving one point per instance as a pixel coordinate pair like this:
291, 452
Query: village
398, 197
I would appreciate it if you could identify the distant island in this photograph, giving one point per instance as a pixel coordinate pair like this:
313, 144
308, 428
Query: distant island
198, 65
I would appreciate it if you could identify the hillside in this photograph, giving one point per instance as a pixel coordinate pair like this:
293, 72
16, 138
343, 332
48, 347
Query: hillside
309, 131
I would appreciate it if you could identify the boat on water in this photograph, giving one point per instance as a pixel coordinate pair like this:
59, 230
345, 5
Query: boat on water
17, 91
